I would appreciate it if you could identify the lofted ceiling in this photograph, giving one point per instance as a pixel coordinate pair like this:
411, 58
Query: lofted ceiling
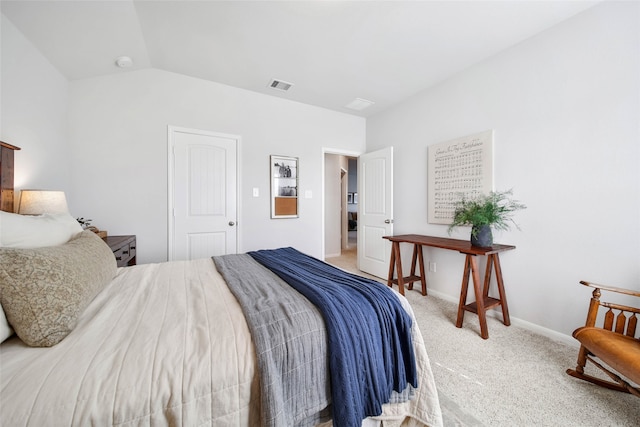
332, 51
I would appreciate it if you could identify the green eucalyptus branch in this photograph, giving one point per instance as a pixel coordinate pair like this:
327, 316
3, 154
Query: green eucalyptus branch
495, 209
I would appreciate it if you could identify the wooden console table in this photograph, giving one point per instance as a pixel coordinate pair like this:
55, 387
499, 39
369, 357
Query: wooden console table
483, 301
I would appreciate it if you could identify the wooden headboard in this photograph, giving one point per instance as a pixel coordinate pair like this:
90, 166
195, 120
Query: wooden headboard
6, 176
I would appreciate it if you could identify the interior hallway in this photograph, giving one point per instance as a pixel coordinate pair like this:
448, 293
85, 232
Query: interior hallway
348, 259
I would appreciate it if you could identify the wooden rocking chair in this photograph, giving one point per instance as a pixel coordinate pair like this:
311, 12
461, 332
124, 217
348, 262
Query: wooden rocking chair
615, 343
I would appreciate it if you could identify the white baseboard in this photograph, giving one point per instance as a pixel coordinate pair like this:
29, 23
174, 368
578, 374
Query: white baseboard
541, 330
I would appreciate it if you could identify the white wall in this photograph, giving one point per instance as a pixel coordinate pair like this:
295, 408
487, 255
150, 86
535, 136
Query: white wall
118, 135
33, 114
565, 109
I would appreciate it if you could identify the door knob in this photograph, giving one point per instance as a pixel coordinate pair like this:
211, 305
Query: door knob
388, 221
231, 223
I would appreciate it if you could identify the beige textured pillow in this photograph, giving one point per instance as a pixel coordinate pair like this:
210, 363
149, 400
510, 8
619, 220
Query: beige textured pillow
44, 290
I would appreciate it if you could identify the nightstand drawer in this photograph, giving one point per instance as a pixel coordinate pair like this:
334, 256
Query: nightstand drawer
123, 255
124, 249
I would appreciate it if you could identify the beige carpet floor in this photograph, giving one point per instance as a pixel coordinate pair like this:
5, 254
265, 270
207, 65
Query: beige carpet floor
515, 378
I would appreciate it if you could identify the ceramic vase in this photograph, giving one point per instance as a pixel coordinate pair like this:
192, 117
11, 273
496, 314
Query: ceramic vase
481, 236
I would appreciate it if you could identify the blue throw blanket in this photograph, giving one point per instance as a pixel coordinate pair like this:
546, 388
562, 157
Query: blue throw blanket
371, 352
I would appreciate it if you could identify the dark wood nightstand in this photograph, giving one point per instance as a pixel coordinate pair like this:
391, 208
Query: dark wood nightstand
124, 249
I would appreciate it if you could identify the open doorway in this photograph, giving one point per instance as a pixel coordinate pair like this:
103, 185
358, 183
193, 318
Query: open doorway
374, 207
341, 210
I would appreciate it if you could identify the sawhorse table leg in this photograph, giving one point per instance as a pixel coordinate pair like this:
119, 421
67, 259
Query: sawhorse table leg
395, 263
483, 301
417, 256
503, 298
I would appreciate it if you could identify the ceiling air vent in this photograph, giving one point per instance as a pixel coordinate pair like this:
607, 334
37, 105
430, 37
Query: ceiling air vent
359, 104
280, 85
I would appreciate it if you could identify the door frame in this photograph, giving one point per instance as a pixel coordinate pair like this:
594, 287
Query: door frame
170, 182
339, 152
344, 218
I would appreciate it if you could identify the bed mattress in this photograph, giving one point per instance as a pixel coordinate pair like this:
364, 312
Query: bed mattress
162, 344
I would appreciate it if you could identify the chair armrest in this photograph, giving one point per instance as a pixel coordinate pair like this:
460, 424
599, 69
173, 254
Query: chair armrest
612, 289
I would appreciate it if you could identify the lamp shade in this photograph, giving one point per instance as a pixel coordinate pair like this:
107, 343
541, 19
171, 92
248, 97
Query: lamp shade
37, 202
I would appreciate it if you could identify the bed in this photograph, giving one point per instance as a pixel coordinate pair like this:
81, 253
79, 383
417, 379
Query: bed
87, 343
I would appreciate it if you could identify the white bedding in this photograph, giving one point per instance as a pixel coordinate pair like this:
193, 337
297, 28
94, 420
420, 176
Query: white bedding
162, 344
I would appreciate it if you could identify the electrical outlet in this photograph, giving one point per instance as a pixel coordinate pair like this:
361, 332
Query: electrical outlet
432, 267
256, 192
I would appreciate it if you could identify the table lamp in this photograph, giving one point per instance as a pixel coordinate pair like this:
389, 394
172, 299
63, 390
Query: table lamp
37, 202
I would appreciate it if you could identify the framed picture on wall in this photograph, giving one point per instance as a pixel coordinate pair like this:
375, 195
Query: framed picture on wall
457, 168
350, 198
284, 187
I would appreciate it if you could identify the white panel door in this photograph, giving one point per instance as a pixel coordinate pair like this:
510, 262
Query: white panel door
375, 217
203, 181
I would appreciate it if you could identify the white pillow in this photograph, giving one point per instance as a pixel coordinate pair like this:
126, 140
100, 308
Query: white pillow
28, 231
5, 329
